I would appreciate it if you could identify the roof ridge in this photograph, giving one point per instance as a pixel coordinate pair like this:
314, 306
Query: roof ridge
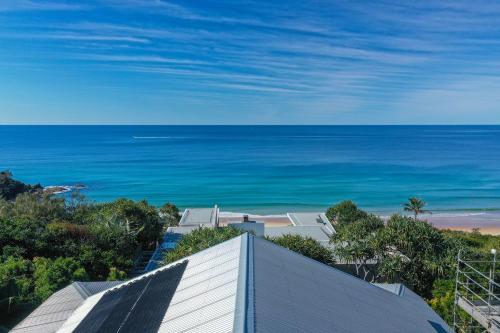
80, 288
240, 313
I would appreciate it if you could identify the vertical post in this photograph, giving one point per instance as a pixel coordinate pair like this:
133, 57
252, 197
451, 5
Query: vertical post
455, 324
492, 279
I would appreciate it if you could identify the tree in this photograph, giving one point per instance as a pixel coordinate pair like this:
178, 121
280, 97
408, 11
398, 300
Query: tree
138, 218
306, 246
416, 206
15, 282
415, 253
345, 212
201, 239
51, 275
169, 214
356, 244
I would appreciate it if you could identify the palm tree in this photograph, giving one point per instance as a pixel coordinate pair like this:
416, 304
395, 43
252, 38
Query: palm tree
415, 205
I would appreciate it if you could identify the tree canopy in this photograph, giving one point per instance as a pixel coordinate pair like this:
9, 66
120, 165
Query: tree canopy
306, 246
345, 212
47, 241
356, 244
169, 215
416, 206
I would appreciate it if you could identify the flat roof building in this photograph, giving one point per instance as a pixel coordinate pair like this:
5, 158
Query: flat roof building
200, 217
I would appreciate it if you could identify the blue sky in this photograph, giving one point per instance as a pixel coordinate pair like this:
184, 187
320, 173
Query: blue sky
249, 62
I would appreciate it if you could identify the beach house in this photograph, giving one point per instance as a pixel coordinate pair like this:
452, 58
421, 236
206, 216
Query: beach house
246, 284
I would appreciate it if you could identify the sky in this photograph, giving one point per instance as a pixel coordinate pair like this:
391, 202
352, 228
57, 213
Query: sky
249, 62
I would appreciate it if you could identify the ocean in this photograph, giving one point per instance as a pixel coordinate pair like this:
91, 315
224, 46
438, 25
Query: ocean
265, 169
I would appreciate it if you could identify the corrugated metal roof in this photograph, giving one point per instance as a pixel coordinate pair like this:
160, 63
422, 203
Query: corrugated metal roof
297, 294
52, 313
204, 299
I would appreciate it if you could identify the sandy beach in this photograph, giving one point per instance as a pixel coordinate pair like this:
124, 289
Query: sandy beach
488, 222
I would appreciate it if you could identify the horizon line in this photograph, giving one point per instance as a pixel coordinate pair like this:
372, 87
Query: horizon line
254, 125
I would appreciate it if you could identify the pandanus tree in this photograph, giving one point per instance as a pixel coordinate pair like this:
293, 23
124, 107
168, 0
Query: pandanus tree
415, 205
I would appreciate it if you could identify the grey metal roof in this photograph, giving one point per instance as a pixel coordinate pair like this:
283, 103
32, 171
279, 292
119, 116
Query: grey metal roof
249, 284
52, 313
88, 289
293, 293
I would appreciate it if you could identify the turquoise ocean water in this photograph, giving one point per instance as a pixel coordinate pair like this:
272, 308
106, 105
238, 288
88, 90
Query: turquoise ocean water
264, 169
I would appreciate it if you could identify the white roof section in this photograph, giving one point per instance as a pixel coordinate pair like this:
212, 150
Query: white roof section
200, 217
249, 284
311, 219
49, 316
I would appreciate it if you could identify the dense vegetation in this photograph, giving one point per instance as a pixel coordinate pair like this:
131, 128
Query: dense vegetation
306, 246
405, 249
47, 241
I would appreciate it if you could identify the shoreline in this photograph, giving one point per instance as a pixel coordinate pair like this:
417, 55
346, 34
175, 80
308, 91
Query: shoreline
488, 222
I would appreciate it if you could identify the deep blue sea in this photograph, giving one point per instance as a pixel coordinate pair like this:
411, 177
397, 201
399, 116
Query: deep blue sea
264, 169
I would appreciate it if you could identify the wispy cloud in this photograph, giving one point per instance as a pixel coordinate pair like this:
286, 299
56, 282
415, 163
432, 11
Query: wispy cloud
345, 54
141, 59
28, 5
74, 37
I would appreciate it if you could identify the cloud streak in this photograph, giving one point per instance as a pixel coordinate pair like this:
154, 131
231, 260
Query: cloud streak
369, 56
31, 5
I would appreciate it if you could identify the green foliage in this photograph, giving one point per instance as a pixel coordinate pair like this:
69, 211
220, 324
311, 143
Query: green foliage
415, 205
443, 294
47, 241
345, 212
357, 244
409, 251
203, 238
306, 246
138, 218
481, 244
200, 239
51, 275
15, 279
116, 275
415, 253
169, 214
33, 206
